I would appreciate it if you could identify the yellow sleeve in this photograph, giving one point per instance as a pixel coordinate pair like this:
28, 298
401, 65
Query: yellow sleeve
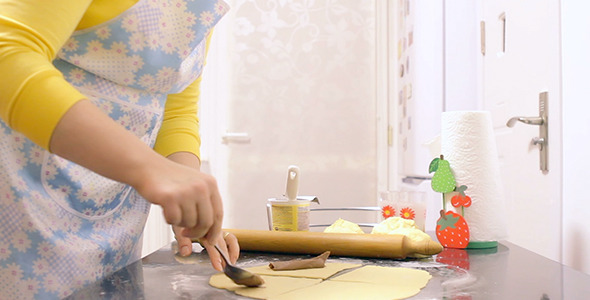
33, 94
180, 127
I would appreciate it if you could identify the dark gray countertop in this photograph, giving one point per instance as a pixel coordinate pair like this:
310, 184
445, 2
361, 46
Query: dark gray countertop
506, 272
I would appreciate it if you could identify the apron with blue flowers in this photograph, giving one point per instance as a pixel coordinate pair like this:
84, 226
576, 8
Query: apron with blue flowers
61, 225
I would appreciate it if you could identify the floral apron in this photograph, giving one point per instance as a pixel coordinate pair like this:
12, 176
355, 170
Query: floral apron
61, 225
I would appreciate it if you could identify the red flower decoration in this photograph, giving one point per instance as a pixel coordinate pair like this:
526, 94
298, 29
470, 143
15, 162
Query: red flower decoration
407, 213
387, 211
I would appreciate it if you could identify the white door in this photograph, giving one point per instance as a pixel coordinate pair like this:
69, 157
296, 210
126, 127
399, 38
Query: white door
300, 85
522, 59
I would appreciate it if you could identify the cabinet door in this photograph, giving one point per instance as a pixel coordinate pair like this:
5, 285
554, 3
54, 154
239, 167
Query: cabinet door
522, 59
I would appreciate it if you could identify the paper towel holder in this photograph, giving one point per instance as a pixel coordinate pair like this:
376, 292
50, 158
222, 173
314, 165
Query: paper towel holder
543, 123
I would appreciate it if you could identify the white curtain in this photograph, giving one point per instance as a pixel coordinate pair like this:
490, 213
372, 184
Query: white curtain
298, 77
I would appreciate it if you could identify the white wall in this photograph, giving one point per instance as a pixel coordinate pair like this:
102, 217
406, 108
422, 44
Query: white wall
156, 233
461, 58
576, 133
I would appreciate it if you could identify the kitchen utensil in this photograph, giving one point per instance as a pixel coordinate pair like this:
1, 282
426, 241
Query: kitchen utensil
339, 244
292, 183
239, 275
292, 213
285, 215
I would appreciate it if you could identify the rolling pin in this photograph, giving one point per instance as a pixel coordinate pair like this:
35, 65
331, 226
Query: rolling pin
339, 244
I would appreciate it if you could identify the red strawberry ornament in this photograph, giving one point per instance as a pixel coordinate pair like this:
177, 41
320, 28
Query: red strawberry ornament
454, 257
452, 230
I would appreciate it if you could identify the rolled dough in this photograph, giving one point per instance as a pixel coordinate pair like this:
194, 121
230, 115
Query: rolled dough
368, 282
390, 276
341, 290
273, 285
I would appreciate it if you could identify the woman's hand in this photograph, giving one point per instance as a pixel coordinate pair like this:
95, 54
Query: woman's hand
188, 197
226, 241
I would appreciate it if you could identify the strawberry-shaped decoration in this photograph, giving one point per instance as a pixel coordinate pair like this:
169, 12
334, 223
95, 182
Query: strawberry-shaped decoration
452, 230
454, 257
443, 180
461, 199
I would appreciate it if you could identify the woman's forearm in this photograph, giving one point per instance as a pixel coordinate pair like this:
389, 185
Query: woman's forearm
188, 197
88, 137
186, 158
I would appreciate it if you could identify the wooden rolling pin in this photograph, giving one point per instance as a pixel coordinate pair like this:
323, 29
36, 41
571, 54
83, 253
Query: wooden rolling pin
339, 244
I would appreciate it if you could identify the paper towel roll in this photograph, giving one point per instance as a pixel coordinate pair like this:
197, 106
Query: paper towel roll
468, 143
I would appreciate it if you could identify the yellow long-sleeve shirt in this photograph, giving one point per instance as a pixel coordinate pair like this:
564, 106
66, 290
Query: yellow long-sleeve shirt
33, 93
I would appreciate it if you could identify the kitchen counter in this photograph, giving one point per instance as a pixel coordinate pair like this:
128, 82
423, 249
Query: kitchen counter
505, 272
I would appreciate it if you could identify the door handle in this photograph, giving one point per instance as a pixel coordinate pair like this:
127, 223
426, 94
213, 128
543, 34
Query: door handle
543, 122
235, 137
531, 121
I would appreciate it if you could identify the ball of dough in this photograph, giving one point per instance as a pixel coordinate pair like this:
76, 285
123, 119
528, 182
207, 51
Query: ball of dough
343, 226
397, 225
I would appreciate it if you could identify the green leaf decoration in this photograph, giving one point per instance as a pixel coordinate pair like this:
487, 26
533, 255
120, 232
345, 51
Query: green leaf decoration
447, 221
433, 165
461, 189
443, 180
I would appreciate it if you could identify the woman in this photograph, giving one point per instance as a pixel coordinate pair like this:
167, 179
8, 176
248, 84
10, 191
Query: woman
98, 103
